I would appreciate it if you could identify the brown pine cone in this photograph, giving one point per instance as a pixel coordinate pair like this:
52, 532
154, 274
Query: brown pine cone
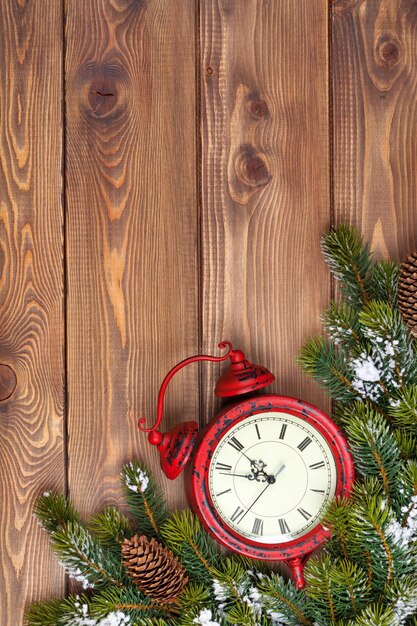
407, 292
153, 568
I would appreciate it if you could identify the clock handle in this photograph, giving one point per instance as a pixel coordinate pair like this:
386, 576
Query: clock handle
175, 447
296, 566
155, 436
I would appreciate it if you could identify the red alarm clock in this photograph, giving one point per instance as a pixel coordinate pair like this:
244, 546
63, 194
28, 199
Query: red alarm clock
262, 472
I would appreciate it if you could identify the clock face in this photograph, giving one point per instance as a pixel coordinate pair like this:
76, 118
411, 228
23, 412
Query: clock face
271, 477
263, 473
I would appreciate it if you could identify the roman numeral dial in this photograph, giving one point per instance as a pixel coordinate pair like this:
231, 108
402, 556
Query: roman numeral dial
303, 445
271, 476
235, 443
258, 526
283, 526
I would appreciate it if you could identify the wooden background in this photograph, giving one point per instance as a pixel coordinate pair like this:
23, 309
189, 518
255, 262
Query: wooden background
167, 168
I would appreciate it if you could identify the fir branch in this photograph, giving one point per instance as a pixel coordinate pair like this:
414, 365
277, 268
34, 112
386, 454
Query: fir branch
377, 615
194, 596
131, 602
369, 569
384, 282
54, 511
279, 596
406, 491
242, 615
391, 343
369, 487
407, 444
403, 409
370, 518
111, 527
83, 557
342, 324
338, 518
204, 615
152, 621
403, 597
369, 365
232, 580
350, 262
47, 613
320, 587
329, 366
145, 500
349, 586
185, 536
373, 446
64, 612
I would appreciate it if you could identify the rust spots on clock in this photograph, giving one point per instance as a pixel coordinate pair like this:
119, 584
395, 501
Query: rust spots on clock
8, 381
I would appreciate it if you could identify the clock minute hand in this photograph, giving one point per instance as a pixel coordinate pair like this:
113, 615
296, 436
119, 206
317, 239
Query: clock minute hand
239, 475
281, 469
255, 501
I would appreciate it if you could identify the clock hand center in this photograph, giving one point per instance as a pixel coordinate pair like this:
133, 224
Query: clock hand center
272, 479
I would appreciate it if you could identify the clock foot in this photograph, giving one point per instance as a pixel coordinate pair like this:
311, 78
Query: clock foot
296, 566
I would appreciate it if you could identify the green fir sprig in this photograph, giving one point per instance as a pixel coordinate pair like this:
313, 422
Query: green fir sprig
145, 500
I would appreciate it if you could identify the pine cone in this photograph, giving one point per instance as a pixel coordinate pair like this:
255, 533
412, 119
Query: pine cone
153, 568
407, 292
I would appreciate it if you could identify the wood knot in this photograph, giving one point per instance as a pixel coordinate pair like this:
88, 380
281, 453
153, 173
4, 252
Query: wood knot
101, 91
388, 51
251, 168
8, 381
258, 107
102, 96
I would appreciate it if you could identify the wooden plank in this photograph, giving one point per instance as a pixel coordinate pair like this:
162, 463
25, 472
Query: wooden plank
31, 298
132, 231
265, 182
374, 121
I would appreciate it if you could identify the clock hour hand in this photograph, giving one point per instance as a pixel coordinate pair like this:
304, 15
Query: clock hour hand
252, 461
281, 469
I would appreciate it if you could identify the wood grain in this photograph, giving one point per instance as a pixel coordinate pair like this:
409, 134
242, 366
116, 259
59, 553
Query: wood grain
31, 298
131, 233
265, 183
199, 179
374, 121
